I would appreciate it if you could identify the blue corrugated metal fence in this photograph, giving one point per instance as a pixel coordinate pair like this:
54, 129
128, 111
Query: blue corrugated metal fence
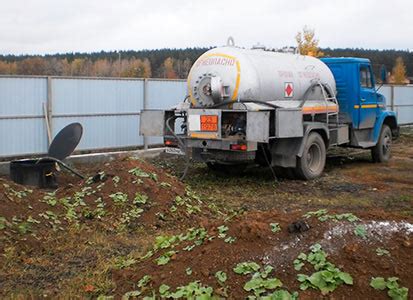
108, 109
400, 100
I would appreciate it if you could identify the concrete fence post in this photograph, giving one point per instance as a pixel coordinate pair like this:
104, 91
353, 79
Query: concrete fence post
392, 97
145, 104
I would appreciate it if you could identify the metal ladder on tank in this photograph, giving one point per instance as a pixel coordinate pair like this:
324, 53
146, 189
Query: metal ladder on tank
324, 87
328, 99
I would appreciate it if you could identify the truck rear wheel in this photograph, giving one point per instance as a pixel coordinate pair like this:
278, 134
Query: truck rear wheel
311, 164
382, 151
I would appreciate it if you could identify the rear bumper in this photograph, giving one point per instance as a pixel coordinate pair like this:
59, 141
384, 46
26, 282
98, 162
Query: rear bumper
222, 156
219, 150
219, 144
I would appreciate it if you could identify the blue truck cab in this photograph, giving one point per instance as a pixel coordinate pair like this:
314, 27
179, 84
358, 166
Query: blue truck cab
361, 106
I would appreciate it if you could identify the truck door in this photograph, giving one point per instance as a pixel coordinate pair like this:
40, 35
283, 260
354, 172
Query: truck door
368, 98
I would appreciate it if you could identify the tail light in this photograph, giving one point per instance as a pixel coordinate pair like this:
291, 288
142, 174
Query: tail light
170, 143
239, 147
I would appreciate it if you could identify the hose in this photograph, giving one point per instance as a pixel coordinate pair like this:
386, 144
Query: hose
244, 101
62, 164
268, 162
186, 98
181, 143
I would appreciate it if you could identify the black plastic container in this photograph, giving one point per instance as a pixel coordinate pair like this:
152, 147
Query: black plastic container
32, 172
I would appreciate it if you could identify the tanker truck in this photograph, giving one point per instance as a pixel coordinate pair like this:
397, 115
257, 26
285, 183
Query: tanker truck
283, 110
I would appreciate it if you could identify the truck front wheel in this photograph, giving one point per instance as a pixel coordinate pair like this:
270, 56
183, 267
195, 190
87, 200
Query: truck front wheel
311, 164
382, 151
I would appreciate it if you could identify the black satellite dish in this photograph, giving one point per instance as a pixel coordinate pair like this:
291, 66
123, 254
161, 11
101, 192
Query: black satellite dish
40, 171
65, 142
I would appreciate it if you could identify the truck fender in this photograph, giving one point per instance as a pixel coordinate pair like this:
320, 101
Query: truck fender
321, 128
284, 152
389, 118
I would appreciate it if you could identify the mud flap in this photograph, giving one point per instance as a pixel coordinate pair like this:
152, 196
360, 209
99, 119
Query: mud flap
284, 152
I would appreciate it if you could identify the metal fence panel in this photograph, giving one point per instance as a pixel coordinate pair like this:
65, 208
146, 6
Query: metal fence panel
96, 96
403, 104
400, 100
22, 136
163, 94
404, 115
403, 95
22, 127
22, 96
104, 132
108, 110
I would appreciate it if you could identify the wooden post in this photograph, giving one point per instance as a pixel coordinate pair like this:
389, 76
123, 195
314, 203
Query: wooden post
46, 121
49, 106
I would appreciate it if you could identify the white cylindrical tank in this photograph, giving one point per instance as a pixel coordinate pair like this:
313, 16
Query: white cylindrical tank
232, 73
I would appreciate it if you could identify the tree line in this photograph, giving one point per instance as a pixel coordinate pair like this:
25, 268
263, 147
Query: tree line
160, 63
393, 60
399, 62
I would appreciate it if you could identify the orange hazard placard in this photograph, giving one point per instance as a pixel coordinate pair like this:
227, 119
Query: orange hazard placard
209, 123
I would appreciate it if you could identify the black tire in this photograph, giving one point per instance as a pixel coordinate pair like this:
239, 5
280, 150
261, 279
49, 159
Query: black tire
311, 164
382, 151
232, 169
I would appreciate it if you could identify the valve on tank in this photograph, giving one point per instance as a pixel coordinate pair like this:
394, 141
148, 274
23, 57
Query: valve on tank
210, 90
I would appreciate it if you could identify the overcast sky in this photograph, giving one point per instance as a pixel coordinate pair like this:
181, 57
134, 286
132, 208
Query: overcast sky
50, 26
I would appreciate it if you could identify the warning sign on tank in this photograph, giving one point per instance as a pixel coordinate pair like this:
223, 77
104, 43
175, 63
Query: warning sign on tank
288, 89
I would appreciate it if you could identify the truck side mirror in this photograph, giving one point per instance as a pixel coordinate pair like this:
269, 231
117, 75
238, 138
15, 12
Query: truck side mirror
383, 74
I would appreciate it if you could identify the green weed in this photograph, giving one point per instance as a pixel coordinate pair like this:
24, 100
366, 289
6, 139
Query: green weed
395, 292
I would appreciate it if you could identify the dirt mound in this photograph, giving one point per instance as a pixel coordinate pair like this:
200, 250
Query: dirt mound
115, 197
